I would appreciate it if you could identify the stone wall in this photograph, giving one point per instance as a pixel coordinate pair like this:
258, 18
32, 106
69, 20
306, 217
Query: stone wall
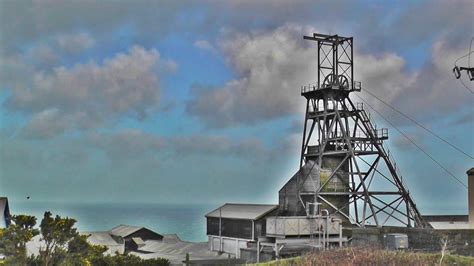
460, 241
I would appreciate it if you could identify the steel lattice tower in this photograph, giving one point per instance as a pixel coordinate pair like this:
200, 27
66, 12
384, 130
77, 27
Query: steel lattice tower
343, 155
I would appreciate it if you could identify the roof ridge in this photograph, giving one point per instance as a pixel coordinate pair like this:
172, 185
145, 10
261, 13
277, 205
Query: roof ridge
251, 204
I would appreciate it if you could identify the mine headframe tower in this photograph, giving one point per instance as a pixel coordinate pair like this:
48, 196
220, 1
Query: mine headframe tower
344, 152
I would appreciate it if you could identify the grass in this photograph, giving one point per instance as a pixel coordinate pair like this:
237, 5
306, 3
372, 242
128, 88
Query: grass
366, 256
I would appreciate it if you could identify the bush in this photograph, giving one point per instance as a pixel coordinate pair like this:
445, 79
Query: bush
63, 245
368, 256
129, 259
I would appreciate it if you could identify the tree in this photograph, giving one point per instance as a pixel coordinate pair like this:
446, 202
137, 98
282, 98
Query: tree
62, 245
13, 239
56, 233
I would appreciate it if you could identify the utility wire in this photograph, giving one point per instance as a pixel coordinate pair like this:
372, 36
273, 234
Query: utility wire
470, 51
468, 54
418, 124
465, 86
469, 64
414, 143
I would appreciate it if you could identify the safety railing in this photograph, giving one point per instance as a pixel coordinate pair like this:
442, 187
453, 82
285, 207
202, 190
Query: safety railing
356, 86
394, 164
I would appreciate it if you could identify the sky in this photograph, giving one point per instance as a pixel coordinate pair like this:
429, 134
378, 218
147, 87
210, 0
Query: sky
199, 101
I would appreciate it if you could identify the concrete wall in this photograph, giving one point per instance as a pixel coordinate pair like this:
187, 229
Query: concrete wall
228, 245
460, 241
289, 202
250, 255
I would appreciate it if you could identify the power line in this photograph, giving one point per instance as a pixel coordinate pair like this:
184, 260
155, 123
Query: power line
469, 64
465, 86
414, 143
469, 58
418, 124
468, 54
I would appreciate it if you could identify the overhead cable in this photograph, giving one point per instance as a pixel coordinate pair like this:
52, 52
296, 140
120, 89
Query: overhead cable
418, 124
414, 143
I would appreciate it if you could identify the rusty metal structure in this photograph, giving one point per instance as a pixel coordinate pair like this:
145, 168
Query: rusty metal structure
345, 166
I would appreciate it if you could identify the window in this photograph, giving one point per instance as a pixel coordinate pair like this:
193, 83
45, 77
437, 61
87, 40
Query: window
237, 228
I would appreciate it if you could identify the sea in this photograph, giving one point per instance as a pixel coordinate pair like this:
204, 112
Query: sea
187, 221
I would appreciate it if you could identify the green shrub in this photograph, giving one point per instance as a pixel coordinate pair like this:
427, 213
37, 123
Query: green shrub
368, 256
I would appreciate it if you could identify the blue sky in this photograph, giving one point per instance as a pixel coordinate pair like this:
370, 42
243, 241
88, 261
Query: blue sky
157, 101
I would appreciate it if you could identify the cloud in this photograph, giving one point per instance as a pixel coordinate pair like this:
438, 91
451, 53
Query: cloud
75, 43
46, 124
216, 146
25, 22
271, 67
384, 74
90, 95
464, 118
135, 143
204, 45
44, 56
127, 144
434, 92
403, 143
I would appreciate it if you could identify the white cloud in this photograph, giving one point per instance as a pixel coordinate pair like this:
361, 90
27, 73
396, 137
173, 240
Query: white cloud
75, 43
272, 66
204, 45
47, 123
90, 95
383, 74
434, 92
134, 143
44, 55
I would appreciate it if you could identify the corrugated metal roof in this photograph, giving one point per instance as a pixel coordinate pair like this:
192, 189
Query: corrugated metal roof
449, 225
242, 211
105, 239
124, 230
446, 218
138, 241
100, 238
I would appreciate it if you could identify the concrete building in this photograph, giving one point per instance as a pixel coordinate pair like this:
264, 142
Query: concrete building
443, 222
5, 217
233, 226
470, 182
447, 222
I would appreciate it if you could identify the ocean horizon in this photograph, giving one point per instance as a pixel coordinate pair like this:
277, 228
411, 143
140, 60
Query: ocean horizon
185, 220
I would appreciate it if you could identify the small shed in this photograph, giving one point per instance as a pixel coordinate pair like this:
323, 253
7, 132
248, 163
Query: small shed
133, 236
5, 217
128, 232
231, 226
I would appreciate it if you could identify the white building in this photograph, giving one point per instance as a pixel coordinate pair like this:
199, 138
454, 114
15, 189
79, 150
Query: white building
233, 226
